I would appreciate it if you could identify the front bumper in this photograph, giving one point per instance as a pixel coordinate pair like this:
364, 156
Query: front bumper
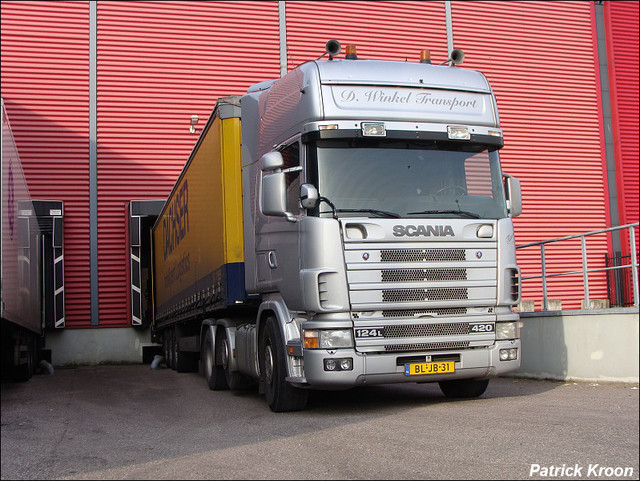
371, 369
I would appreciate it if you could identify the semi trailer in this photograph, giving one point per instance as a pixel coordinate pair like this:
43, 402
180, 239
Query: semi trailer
346, 224
31, 267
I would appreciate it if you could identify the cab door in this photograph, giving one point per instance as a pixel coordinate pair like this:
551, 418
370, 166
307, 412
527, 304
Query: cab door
278, 237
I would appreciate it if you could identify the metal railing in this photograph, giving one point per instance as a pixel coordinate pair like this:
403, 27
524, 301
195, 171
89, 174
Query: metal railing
585, 269
619, 282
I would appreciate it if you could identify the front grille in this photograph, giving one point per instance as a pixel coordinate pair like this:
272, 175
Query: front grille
422, 255
426, 346
416, 295
413, 275
425, 330
444, 311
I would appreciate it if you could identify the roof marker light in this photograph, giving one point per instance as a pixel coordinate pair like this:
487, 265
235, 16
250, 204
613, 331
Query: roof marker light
351, 52
425, 56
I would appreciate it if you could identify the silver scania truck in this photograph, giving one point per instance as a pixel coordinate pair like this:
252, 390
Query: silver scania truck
347, 224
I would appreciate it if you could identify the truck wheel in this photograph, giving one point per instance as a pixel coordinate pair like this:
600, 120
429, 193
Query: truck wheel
281, 396
235, 379
213, 372
463, 388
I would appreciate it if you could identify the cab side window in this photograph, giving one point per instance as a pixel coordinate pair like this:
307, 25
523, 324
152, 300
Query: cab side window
292, 170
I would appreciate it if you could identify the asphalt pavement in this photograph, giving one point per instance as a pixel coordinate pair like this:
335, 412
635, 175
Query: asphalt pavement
131, 422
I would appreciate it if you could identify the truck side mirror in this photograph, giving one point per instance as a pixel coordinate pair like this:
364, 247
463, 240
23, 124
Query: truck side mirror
274, 198
271, 161
308, 196
514, 195
273, 184
274, 187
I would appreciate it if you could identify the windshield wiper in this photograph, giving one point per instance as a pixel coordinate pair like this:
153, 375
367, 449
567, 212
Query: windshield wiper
462, 213
379, 213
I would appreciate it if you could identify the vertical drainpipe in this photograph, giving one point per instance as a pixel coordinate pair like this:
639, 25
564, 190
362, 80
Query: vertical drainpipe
612, 186
449, 20
93, 160
282, 28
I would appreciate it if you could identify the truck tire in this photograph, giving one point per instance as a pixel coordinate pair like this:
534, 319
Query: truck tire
463, 388
281, 395
235, 379
213, 372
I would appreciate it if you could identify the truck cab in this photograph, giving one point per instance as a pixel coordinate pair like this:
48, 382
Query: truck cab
378, 226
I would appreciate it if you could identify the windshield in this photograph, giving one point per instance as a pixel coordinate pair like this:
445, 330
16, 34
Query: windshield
395, 178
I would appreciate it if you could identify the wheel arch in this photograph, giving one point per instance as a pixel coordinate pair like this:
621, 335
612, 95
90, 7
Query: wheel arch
275, 306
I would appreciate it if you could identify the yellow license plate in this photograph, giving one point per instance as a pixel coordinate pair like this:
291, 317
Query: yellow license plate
423, 368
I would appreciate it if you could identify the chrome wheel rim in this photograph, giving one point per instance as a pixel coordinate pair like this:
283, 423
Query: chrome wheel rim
268, 364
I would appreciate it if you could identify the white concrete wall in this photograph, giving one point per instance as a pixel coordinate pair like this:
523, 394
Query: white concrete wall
97, 346
584, 345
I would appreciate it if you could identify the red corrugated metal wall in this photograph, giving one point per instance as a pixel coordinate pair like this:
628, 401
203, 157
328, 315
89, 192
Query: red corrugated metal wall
380, 30
158, 64
161, 62
45, 85
540, 58
621, 27
547, 87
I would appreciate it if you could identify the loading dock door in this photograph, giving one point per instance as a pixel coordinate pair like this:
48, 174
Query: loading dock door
142, 216
43, 258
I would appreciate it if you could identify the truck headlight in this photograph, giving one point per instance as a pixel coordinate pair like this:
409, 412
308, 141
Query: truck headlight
344, 364
327, 338
509, 354
507, 330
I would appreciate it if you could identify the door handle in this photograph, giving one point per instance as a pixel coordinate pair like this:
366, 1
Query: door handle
273, 262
